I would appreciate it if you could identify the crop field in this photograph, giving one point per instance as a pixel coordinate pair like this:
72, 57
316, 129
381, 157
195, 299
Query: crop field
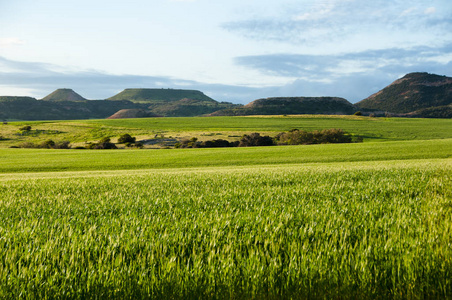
367, 220
230, 128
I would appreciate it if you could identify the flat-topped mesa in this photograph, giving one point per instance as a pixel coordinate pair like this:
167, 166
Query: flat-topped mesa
157, 95
63, 95
293, 106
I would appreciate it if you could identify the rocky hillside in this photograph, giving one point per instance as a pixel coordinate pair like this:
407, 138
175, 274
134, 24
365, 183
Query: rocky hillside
292, 106
413, 92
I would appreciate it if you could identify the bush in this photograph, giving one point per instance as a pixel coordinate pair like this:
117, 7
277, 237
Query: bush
49, 144
104, 143
301, 137
126, 138
25, 128
358, 113
62, 145
255, 139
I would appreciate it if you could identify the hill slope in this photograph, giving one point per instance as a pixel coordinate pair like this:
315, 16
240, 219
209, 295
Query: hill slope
413, 92
65, 104
172, 102
63, 95
293, 106
159, 95
132, 113
27, 108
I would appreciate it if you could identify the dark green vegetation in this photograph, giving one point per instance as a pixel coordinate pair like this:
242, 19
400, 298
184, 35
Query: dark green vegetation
357, 220
413, 92
293, 137
292, 105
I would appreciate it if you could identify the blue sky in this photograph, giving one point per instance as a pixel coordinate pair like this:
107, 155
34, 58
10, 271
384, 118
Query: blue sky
232, 50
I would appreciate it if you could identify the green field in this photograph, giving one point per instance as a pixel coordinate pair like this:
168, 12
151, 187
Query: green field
230, 128
366, 220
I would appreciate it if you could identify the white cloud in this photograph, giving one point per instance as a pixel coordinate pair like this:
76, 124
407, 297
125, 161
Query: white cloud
408, 11
9, 42
430, 11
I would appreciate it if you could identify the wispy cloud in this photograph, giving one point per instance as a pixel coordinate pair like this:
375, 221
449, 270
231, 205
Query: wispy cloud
350, 75
318, 67
333, 21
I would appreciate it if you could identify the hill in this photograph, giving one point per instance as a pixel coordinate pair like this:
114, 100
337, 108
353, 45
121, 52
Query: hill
159, 95
65, 104
413, 92
63, 95
172, 102
132, 113
28, 108
292, 106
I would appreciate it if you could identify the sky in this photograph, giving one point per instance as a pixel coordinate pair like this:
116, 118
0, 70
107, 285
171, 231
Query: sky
235, 51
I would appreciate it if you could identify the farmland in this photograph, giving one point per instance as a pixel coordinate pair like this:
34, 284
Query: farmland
324, 221
231, 128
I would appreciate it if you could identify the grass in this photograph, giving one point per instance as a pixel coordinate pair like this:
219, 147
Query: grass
43, 160
367, 220
231, 128
329, 231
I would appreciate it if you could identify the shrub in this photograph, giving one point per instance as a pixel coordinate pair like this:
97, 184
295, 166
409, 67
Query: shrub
301, 137
126, 138
255, 139
49, 144
104, 143
62, 145
358, 113
25, 128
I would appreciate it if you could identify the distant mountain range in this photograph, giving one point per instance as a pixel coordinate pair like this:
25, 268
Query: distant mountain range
414, 95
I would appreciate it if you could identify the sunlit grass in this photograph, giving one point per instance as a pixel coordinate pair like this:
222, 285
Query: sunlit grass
371, 229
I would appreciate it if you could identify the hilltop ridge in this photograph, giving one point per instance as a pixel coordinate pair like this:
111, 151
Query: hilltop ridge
63, 95
293, 106
413, 92
154, 95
